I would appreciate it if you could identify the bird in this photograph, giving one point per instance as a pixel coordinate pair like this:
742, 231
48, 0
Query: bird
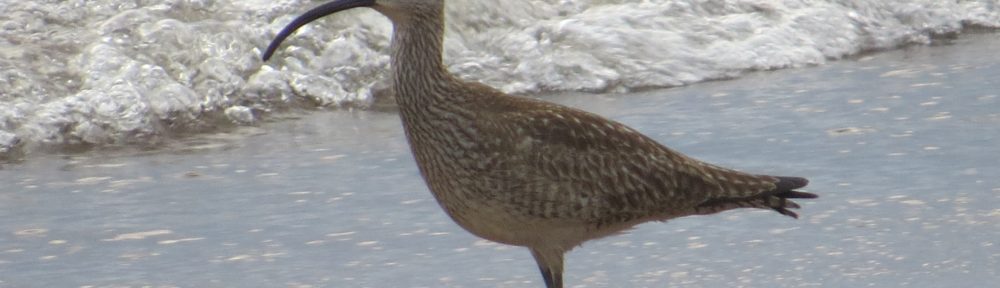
531, 173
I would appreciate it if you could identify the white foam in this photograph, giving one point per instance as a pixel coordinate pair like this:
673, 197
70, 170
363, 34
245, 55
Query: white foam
115, 71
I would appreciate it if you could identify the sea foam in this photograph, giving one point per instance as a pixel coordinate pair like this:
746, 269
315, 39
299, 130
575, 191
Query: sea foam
133, 72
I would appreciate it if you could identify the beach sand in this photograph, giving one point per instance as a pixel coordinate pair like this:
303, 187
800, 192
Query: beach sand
901, 145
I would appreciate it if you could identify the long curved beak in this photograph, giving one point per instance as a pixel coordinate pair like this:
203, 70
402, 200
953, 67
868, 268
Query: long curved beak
316, 13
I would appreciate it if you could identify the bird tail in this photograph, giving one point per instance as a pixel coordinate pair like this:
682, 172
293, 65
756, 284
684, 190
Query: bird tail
776, 199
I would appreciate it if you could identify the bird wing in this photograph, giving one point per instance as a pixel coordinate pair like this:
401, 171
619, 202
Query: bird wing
570, 163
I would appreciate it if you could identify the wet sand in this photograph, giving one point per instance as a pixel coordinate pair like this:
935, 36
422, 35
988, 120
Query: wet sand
902, 146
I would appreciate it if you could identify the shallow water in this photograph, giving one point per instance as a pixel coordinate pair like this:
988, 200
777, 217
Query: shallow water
900, 145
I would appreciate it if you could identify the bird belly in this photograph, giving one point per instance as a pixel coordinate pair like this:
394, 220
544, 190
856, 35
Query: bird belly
501, 225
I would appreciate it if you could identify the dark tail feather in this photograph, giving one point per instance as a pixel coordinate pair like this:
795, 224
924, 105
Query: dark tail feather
784, 191
796, 195
776, 199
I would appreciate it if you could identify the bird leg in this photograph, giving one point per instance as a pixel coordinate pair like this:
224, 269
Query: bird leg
550, 263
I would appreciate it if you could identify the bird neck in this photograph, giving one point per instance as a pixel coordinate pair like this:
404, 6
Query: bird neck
418, 73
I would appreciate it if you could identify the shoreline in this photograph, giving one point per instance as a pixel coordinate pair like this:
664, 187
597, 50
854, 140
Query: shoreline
895, 143
21, 151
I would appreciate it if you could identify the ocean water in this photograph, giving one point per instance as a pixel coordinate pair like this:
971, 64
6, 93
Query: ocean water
901, 146
116, 72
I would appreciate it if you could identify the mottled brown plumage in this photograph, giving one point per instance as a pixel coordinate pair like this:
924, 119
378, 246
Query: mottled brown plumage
536, 174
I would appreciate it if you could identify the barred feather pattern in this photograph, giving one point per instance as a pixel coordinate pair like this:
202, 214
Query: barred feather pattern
536, 174
507, 168
549, 177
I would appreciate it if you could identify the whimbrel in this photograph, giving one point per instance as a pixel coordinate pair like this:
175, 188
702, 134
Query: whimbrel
536, 174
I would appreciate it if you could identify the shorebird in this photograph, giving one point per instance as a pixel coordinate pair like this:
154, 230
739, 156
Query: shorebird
536, 174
